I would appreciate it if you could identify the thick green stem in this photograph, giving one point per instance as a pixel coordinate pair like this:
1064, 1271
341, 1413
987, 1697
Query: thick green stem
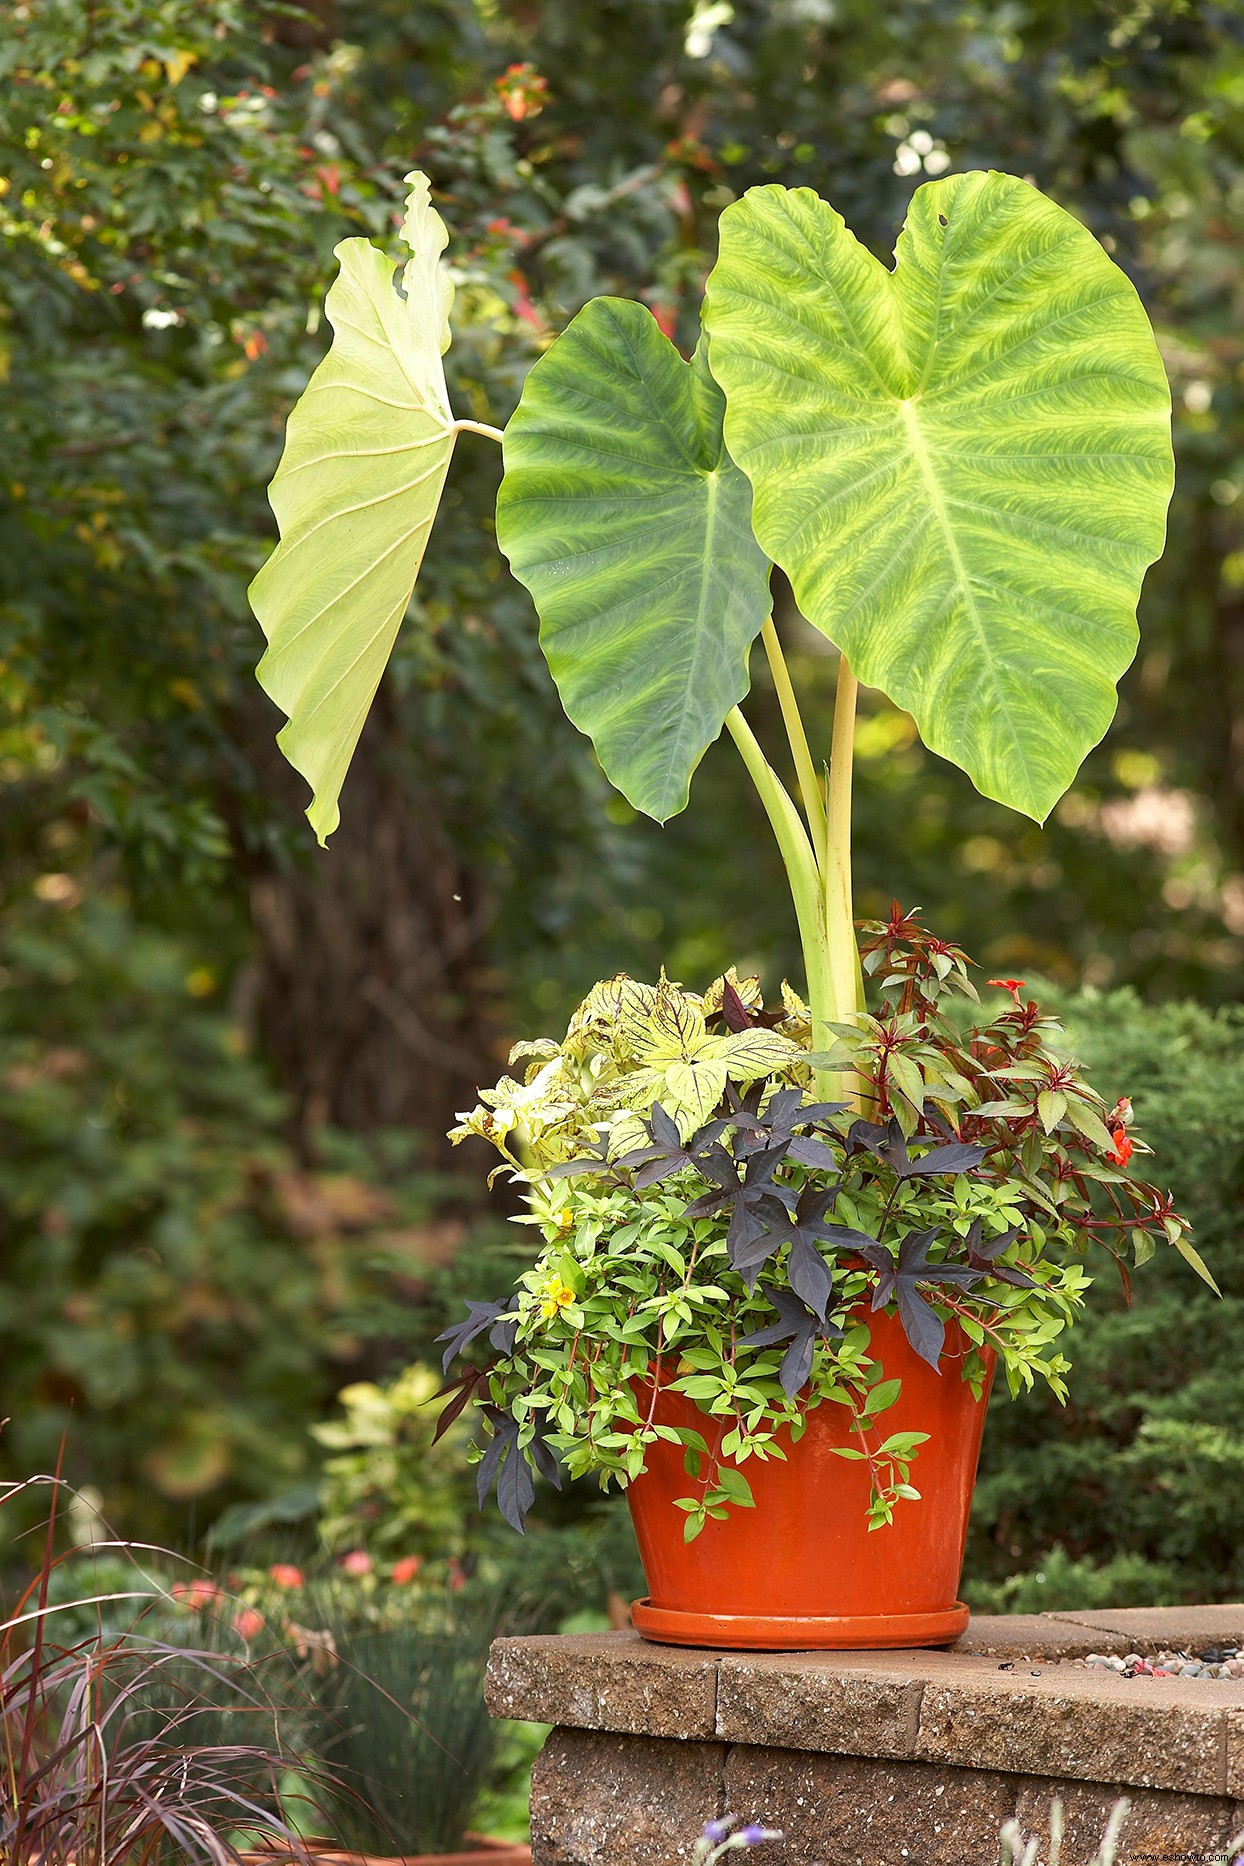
839, 910
804, 876
841, 943
805, 770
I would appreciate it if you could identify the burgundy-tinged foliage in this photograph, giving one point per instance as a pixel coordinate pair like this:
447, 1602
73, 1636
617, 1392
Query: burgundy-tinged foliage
101, 1751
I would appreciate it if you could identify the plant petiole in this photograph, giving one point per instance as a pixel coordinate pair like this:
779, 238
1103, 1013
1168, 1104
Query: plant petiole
805, 770
479, 427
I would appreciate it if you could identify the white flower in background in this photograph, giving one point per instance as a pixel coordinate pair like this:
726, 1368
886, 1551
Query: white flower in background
921, 151
156, 319
704, 21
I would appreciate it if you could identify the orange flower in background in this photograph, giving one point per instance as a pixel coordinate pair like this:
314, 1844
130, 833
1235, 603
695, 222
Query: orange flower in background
522, 300
285, 1574
405, 1570
195, 1594
247, 1623
522, 91
357, 1562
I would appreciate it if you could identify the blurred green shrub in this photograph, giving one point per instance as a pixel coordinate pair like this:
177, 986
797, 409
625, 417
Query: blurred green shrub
390, 1488
176, 1289
1132, 1494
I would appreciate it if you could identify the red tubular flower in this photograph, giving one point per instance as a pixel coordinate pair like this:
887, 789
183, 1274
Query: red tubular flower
1122, 1147
1013, 985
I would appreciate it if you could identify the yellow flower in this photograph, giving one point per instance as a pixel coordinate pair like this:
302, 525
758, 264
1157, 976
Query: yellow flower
556, 1296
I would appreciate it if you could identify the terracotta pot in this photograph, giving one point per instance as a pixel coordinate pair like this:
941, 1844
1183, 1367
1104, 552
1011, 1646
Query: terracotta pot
803, 1569
481, 1852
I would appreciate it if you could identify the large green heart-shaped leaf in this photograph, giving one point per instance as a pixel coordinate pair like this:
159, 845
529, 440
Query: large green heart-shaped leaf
963, 465
366, 453
629, 523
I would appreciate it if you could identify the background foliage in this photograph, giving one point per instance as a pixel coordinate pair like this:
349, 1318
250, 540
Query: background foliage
228, 1060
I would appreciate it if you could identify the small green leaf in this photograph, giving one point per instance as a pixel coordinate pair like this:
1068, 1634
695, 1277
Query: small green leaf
881, 1396
629, 523
1051, 1107
367, 449
1093, 1128
1194, 1257
901, 1444
963, 465
907, 1078
735, 1486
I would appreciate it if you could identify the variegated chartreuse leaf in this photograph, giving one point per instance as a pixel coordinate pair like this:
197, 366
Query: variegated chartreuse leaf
963, 464
684, 1068
629, 523
366, 453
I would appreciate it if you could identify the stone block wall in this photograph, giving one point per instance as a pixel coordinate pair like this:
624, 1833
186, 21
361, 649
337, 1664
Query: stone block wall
882, 1758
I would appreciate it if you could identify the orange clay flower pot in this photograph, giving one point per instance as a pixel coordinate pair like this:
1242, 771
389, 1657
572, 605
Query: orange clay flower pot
803, 1569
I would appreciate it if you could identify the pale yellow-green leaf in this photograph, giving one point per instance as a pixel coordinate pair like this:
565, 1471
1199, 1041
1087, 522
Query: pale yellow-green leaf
694, 1089
907, 1079
1143, 1246
748, 990
750, 1054
1195, 1258
366, 452
1089, 1124
614, 1014
675, 1029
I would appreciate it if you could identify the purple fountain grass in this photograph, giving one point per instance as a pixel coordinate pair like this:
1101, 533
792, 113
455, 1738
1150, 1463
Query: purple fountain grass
100, 1757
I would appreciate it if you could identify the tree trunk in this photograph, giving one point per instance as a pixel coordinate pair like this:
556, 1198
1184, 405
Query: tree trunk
372, 997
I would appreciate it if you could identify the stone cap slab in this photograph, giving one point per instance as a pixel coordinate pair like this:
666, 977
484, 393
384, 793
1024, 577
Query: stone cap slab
604, 1681
966, 1709
1070, 1635
1172, 1627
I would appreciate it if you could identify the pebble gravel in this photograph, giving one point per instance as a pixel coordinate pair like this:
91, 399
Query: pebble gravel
1215, 1662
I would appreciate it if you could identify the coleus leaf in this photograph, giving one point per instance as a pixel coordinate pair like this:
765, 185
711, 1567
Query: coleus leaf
802, 1328
367, 449
900, 1279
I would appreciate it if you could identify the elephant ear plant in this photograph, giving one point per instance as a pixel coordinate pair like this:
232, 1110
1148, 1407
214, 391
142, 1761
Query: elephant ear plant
963, 466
